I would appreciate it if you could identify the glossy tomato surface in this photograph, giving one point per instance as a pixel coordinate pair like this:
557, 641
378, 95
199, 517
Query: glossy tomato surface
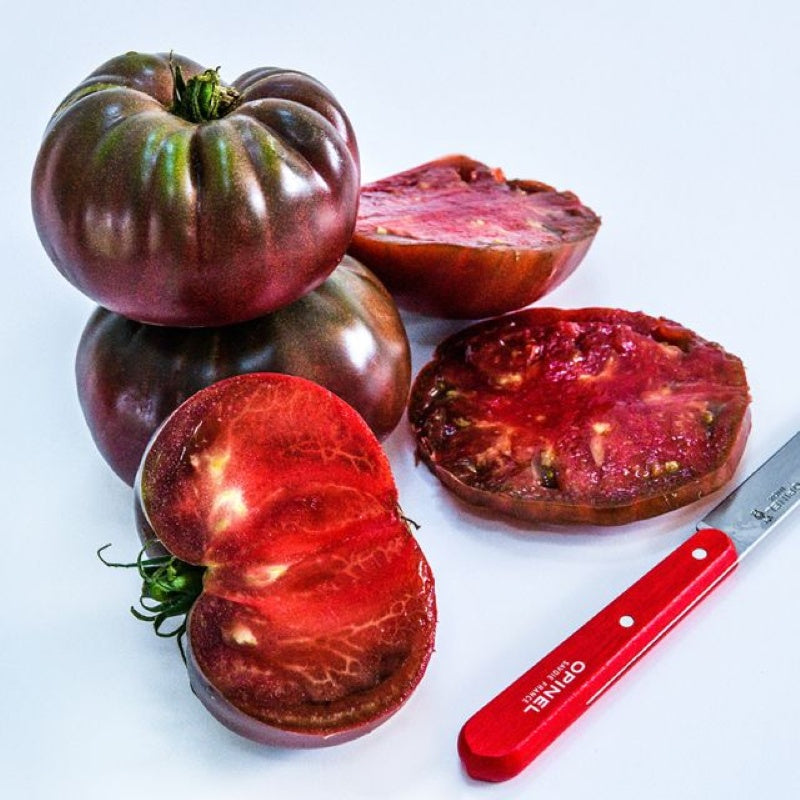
454, 238
174, 221
596, 415
317, 615
346, 335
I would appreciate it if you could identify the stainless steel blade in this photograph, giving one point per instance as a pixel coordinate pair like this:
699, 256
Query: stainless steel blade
757, 505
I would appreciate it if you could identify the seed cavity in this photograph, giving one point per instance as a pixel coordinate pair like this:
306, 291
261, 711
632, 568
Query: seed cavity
656, 469
548, 477
545, 469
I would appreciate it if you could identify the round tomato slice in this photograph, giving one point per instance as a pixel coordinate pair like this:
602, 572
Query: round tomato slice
454, 238
317, 615
596, 416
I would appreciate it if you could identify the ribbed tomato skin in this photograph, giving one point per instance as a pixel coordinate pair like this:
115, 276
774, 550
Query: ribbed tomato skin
345, 335
173, 222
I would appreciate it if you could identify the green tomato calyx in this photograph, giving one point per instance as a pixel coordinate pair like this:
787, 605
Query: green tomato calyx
169, 588
203, 97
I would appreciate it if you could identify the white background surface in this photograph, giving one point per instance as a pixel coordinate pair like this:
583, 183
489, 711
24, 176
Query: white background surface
678, 123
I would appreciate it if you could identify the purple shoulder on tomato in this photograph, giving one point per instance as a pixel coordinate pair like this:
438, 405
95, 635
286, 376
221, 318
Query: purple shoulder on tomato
172, 198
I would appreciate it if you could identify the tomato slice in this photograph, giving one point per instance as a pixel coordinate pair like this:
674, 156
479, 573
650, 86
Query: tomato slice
317, 616
454, 238
595, 416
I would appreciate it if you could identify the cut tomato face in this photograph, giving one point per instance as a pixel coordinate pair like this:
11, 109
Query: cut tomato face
317, 615
454, 238
595, 416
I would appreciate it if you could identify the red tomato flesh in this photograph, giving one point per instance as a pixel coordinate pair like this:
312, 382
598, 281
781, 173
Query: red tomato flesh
454, 238
317, 616
596, 416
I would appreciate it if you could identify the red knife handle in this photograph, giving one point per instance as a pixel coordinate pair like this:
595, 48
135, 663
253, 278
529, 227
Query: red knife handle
512, 729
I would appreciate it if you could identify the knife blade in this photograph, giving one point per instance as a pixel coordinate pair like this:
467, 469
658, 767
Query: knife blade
504, 736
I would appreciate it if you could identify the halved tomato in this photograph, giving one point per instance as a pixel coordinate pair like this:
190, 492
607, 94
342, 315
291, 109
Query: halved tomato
585, 416
317, 615
454, 238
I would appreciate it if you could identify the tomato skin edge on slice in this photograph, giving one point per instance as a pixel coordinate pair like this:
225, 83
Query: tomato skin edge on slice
565, 513
490, 279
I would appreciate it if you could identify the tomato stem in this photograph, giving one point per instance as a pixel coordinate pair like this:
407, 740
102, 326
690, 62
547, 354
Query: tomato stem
169, 588
203, 97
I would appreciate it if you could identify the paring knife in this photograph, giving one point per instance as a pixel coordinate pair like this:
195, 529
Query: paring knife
512, 729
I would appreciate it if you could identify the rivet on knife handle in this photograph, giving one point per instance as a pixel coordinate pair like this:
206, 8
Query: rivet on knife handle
512, 729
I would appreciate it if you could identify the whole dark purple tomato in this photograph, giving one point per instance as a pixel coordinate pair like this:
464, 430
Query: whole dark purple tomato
173, 199
346, 335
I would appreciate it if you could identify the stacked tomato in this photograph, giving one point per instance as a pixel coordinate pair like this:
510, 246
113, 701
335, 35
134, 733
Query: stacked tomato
210, 223
174, 200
